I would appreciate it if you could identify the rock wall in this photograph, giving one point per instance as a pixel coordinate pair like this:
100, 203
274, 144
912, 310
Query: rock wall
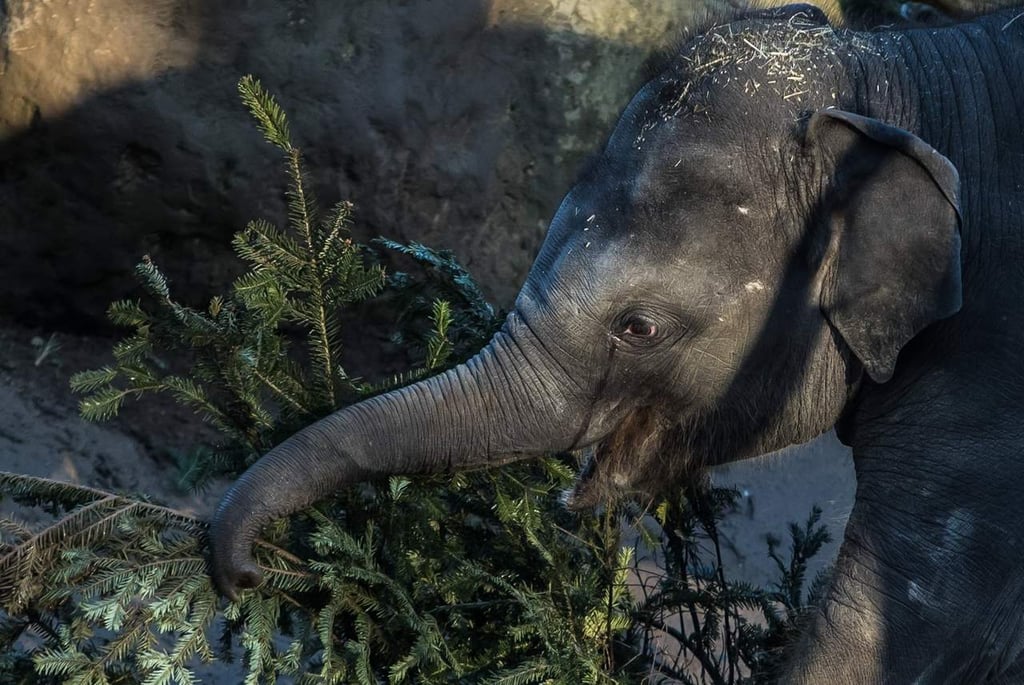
458, 123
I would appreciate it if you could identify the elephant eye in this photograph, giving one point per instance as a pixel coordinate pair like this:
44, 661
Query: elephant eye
637, 328
641, 328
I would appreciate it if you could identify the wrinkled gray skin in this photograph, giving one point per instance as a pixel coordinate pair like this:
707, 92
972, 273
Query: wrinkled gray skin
791, 227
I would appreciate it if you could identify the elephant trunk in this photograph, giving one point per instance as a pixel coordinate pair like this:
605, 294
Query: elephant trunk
497, 407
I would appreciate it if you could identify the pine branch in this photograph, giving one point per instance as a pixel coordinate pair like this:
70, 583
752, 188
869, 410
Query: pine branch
105, 403
288, 397
268, 249
439, 347
270, 118
443, 262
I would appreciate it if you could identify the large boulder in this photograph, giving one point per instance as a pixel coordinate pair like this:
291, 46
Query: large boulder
458, 123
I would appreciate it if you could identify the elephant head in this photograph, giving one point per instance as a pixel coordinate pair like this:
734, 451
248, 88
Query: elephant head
719, 282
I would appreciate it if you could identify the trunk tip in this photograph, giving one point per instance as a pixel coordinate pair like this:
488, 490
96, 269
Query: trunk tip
231, 563
230, 576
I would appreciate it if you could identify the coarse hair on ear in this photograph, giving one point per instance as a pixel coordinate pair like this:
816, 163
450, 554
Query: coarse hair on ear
891, 210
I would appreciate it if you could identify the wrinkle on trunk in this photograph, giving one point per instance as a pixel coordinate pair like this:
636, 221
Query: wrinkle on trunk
497, 407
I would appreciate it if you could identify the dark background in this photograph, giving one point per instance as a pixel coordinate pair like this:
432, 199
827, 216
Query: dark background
457, 123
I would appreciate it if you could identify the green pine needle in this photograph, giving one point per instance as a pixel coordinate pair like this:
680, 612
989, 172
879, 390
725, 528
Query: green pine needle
439, 347
270, 118
102, 404
127, 313
89, 381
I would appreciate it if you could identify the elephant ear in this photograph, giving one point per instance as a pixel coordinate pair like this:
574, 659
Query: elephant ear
892, 212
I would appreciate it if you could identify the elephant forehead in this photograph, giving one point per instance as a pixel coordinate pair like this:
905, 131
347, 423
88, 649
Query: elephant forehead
708, 220
706, 269
780, 61
727, 96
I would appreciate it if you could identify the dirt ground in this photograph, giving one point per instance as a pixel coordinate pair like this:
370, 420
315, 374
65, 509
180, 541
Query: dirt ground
41, 433
780, 488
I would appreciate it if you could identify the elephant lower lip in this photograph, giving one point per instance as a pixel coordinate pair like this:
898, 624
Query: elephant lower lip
628, 461
594, 486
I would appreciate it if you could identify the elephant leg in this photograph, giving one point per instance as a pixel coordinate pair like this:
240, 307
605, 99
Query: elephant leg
928, 585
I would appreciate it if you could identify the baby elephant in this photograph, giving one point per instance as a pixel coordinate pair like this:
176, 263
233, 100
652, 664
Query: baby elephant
792, 227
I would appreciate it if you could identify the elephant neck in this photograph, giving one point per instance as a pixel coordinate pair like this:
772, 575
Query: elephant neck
961, 90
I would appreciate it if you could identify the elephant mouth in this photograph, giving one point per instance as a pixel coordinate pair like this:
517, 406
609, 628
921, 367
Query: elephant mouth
597, 484
645, 455
584, 493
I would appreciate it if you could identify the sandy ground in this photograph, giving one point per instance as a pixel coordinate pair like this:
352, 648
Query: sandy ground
780, 488
41, 433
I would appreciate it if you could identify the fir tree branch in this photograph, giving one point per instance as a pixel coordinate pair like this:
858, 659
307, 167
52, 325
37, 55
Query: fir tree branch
694, 648
270, 118
295, 403
283, 553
